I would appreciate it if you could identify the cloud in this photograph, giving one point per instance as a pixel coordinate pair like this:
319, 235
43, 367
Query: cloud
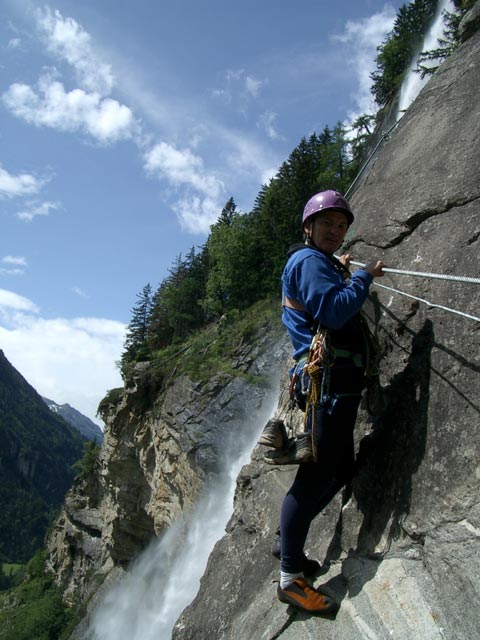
34, 209
79, 292
68, 41
17, 260
237, 83
246, 155
360, 40
86, 108
16, 268
10, 301
182, 168
253, 86
18, 185
14, 43
267, 122
196, 214
11, 272
51, 105
268, 174
67, 360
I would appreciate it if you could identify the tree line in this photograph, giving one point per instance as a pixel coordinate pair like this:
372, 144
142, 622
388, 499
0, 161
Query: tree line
244, 254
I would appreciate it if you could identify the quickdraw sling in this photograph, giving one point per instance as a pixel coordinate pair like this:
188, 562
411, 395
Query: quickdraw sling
320, 358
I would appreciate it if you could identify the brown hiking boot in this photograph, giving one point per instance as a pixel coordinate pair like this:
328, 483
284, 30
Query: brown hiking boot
298, 450
302, 596
274, 434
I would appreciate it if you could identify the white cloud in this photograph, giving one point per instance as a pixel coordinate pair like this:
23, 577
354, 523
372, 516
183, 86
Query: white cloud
10, 301
253, 85
16, 268
11, 272
17, 260
246, 155
239, 84
182, 168
267, 122
223, 94
268, 174
360, 40
79, 292
34, 209
51, 105
14, 43
18, 185
68, 41
234, 74
196, 215
86, 108
67, 360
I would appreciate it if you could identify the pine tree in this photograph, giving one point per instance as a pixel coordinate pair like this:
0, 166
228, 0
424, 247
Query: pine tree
135, 346
446, 45
228, 212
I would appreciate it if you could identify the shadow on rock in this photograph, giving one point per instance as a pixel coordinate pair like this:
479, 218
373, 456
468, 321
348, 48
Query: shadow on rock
387, 460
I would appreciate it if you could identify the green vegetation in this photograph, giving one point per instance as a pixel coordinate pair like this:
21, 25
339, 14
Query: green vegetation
216, 347
34, 608
38, 449
10, 575
86, 465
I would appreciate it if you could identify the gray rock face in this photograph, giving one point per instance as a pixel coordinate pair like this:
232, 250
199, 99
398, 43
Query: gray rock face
401, 548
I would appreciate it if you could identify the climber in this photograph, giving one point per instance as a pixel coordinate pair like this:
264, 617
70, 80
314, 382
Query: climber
317, 295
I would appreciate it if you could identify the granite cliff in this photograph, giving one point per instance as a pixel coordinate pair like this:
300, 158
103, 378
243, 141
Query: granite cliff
400, 549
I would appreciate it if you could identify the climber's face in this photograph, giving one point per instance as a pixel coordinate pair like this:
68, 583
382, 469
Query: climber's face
327, 230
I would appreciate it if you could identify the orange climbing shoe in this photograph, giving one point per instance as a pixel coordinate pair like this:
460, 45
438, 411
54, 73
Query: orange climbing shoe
302, 596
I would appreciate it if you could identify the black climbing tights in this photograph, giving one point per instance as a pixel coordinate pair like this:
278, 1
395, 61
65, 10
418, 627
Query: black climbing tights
316, 483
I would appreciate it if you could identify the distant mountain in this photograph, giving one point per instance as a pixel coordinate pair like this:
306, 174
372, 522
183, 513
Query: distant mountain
37, 451
81, 423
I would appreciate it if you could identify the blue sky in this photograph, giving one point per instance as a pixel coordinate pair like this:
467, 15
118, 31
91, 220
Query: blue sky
124, 129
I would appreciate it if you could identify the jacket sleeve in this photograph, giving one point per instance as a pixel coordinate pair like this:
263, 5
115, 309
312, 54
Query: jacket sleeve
324, 293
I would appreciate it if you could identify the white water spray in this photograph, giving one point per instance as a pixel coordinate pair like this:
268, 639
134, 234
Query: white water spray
414, 82
165, 578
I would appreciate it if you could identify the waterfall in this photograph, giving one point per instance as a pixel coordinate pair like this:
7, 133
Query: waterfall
413, 81
165, 578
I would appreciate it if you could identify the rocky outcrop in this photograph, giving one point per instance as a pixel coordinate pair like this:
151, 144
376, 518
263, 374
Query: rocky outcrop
401, 548
160, 447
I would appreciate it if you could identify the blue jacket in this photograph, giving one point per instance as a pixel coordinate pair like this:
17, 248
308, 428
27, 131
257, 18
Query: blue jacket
311, 279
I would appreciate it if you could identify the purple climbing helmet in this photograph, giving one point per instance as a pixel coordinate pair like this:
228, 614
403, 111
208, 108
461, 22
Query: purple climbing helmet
325, 201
